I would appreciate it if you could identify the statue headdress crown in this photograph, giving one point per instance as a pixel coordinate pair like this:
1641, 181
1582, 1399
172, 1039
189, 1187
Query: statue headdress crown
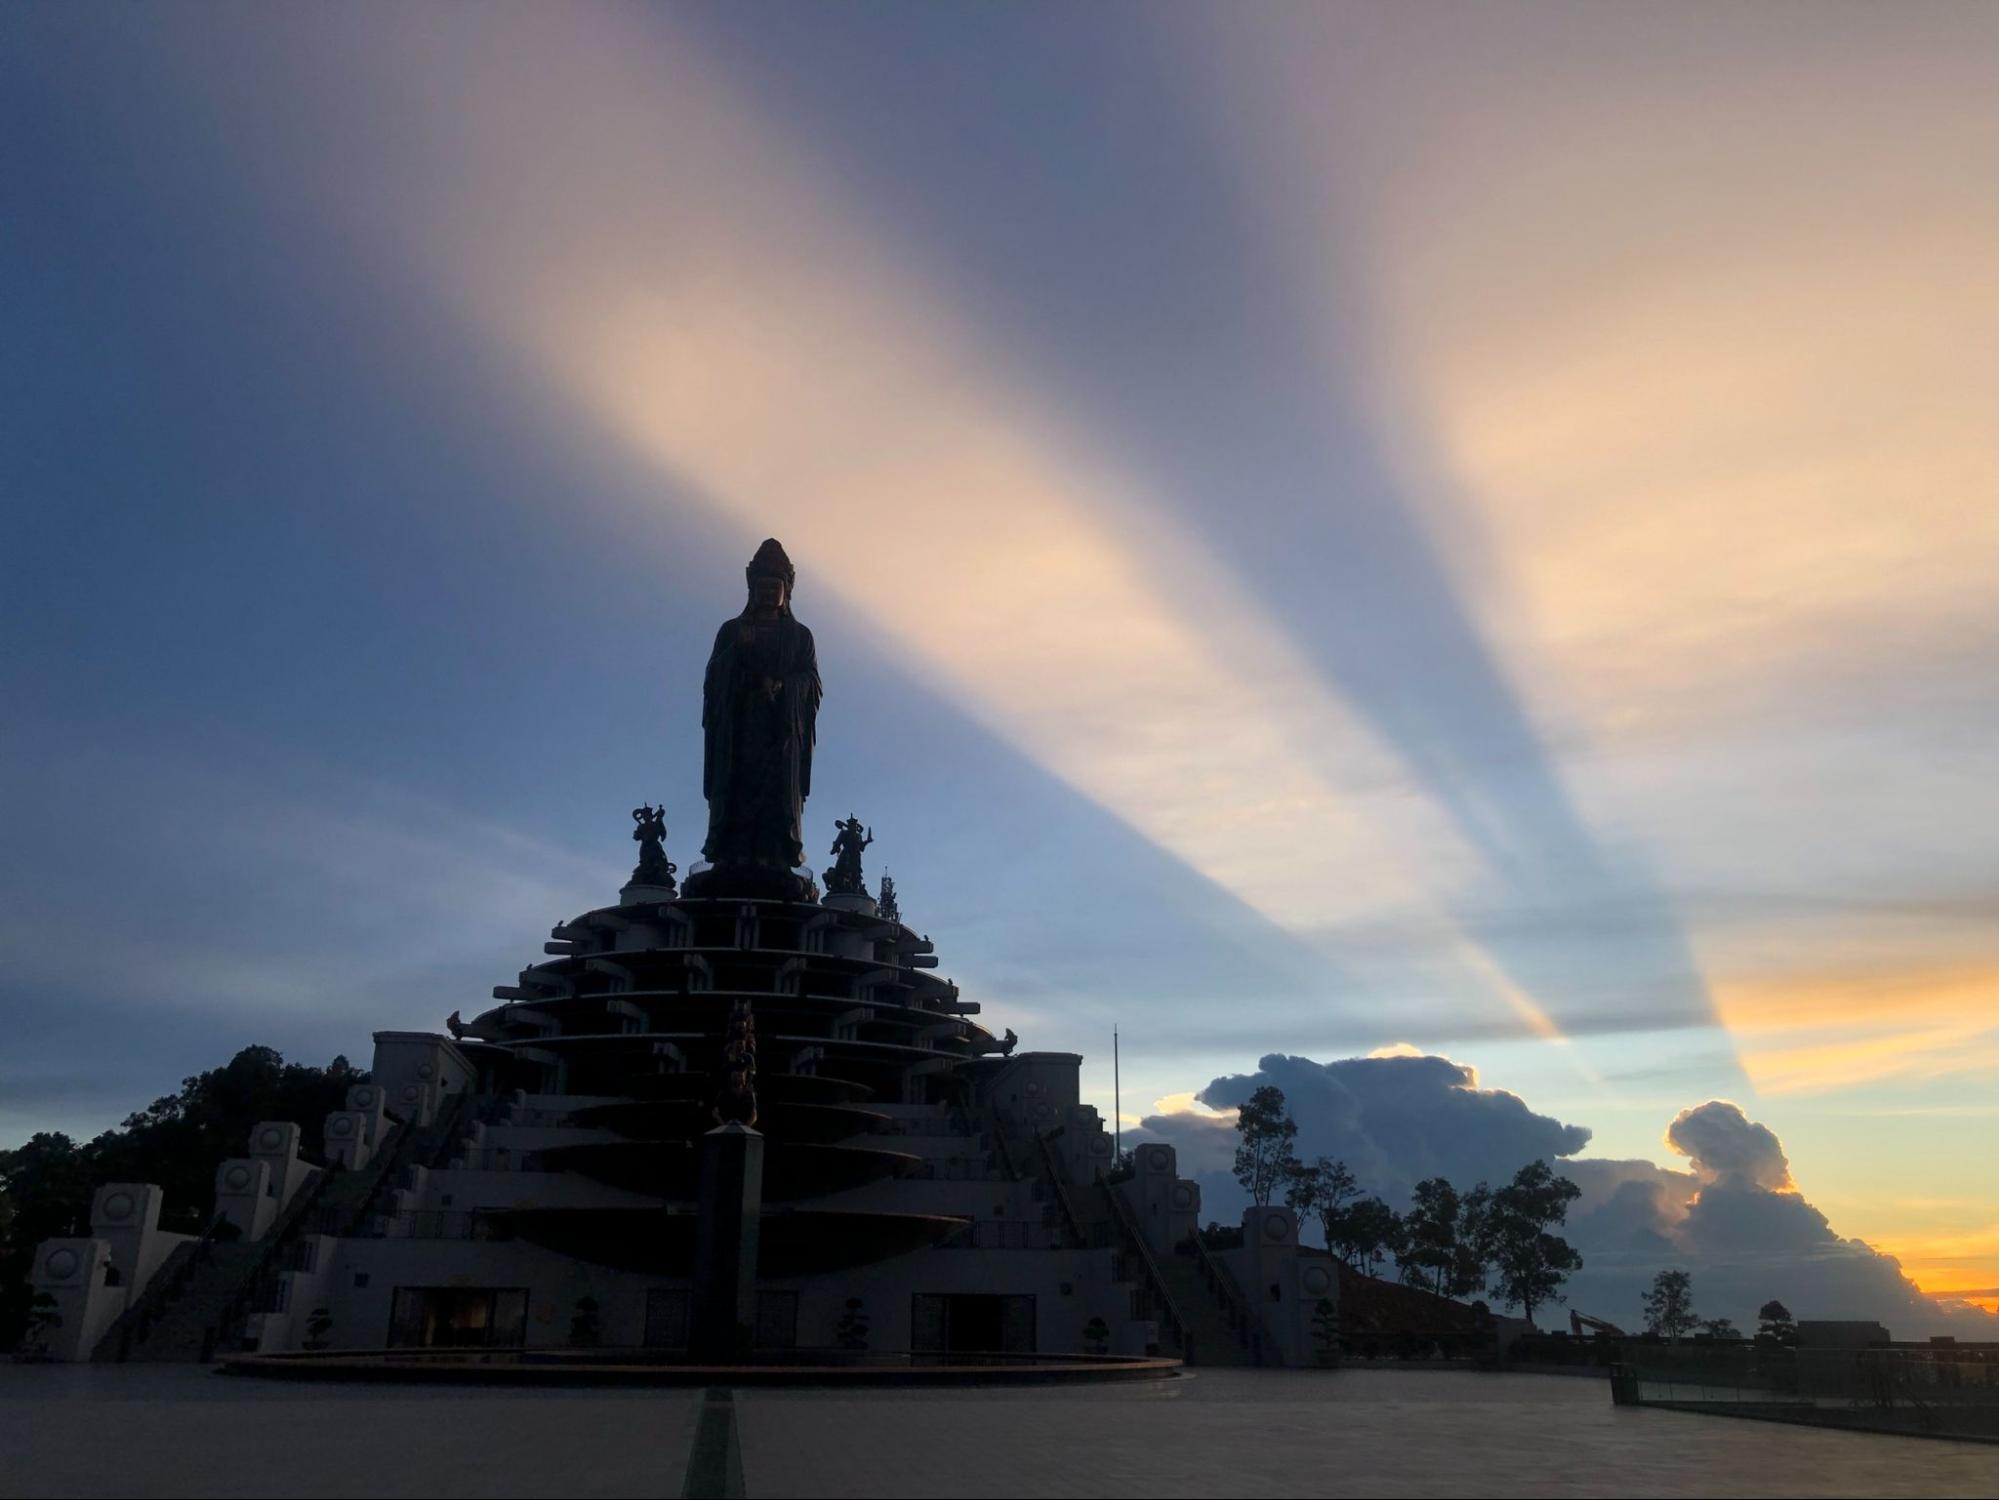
770, 562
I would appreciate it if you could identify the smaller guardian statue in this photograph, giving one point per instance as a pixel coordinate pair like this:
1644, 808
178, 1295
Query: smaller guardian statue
845, 878
649, 832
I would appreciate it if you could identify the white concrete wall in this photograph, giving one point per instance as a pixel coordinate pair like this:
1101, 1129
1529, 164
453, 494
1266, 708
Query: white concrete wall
417, 1072
73, 1273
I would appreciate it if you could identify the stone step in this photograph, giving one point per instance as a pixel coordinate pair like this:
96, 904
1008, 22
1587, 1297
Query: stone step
1215, 1340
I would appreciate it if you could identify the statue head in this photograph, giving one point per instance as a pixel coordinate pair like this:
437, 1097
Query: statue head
770, 576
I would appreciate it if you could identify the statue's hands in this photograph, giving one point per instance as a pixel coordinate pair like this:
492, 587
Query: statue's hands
772, 687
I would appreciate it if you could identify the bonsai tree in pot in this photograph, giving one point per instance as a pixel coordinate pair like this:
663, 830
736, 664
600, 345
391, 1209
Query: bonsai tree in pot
1097, 1337
318, 1323
1325, 1332
852, 1329
586, 1326
43, 1319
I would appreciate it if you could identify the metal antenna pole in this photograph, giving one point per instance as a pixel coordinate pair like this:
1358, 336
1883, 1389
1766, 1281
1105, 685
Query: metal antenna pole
1117, 1100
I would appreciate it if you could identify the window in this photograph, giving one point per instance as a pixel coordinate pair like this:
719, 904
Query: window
449, 1317
972, 1323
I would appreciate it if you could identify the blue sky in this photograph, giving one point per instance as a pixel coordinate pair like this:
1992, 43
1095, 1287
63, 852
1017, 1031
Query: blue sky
1457, 527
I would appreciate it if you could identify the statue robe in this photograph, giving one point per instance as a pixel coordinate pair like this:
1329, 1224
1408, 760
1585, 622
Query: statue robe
757, 762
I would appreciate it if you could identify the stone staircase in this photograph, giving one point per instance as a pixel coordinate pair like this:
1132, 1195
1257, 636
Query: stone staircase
200, 1297
178, 1326
1211, 1333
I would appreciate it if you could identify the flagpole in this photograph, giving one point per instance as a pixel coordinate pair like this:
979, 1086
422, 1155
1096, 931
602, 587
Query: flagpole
1117, 1100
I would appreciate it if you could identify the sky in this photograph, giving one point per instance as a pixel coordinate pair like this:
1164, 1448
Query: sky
1450, 532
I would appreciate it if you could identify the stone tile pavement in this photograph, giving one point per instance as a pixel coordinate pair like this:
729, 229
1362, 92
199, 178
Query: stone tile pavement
178, 1430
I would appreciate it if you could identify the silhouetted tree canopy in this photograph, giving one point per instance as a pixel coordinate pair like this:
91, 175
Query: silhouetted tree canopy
1263, 1155
1322, 1190
1532, 1262
1775, 1323
1669, 1306
1366, 1233
1432, 1256
176, 1141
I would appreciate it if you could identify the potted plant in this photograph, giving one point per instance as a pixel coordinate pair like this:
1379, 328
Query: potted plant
318, 1323
44, 1319
586, 1327
1097, 1337
852, 1329
1325, 1332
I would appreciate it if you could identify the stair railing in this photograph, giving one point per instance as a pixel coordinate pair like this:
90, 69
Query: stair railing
1134, 1240
1221, 1282
261, 1283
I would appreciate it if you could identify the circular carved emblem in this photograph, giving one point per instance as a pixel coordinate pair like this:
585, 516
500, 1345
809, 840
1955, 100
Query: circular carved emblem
427, 1070
1275, 1226
1317, 1280
1155, 1158
119, 1206
364, 1098
62, 1264
343, 1127
237, 1177
1183, 1195
271, 1139
410, 1092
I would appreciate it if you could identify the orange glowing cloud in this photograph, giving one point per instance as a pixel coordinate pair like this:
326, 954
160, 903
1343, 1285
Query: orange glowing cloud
1813, 1032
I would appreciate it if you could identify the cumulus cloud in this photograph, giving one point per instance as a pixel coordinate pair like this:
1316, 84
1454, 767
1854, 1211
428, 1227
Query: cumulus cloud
1394, 1119
1728, 1148
1734, 1218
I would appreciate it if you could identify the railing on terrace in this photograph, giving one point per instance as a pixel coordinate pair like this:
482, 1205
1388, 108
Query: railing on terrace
1005, 1234
443, 1224
1946, 1390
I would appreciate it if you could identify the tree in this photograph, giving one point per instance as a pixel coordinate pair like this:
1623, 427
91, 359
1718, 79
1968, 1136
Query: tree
1366, 1232
46, 1185
1531, 1261
1323, 1190
1429, 1257
1669, 1306
1263, 1155
1719, 1328
1477, 1243
1775, 1325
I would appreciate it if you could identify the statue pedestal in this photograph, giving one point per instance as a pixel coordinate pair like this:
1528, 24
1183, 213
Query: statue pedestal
749, 883
635, 894
865, 905
725, 1246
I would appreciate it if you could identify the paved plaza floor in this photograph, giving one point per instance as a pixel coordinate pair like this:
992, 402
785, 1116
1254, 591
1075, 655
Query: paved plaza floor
172, 1430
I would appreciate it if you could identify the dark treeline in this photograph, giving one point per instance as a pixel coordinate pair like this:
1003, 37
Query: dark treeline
177, 1141
1486, 1240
